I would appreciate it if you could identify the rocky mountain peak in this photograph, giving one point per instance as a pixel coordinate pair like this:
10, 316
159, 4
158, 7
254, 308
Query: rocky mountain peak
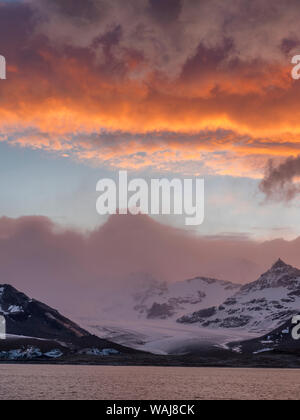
279, 275
280, 265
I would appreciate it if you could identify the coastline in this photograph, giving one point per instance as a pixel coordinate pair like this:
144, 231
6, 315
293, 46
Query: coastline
274, 360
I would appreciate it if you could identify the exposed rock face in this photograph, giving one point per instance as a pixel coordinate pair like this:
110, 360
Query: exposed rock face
29, 317
196, 316
278, 340
161, 311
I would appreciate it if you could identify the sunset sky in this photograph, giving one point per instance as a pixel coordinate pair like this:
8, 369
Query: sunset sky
161, 88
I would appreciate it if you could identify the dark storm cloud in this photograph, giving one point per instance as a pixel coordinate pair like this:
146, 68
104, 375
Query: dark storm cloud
280, 182
16, 24
84, 10
165, 11
254, 28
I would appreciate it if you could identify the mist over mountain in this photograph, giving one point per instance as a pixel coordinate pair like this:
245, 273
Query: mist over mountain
71, 270
131, 279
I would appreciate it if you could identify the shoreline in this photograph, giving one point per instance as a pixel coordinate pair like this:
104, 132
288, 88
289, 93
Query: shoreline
270, 361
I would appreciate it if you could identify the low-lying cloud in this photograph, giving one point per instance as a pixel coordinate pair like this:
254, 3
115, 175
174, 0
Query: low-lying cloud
72, 270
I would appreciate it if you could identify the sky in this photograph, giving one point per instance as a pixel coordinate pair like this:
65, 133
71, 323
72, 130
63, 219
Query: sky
161, 88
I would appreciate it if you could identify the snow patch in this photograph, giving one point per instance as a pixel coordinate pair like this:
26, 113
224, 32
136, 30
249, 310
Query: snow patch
98, 352
13, 309
262, 351
54, 354
29, 353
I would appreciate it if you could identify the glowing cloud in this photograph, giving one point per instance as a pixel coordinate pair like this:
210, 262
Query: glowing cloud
153, 82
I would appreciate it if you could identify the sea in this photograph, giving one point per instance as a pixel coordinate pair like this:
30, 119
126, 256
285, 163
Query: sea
59, 382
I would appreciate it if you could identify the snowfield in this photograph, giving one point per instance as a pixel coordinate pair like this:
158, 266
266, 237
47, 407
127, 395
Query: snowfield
166, 337
144, 316
197, 313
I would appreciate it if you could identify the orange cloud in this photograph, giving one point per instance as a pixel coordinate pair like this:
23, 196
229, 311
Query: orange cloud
229, 113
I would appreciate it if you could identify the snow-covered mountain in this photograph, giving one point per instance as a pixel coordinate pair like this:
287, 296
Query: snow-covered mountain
168, 301
29, 317
34, 330
259, 306
143, 314
146, 299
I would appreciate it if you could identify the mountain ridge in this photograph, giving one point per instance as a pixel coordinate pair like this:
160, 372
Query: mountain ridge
34, 330
258, 306
279, 274
279, 340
